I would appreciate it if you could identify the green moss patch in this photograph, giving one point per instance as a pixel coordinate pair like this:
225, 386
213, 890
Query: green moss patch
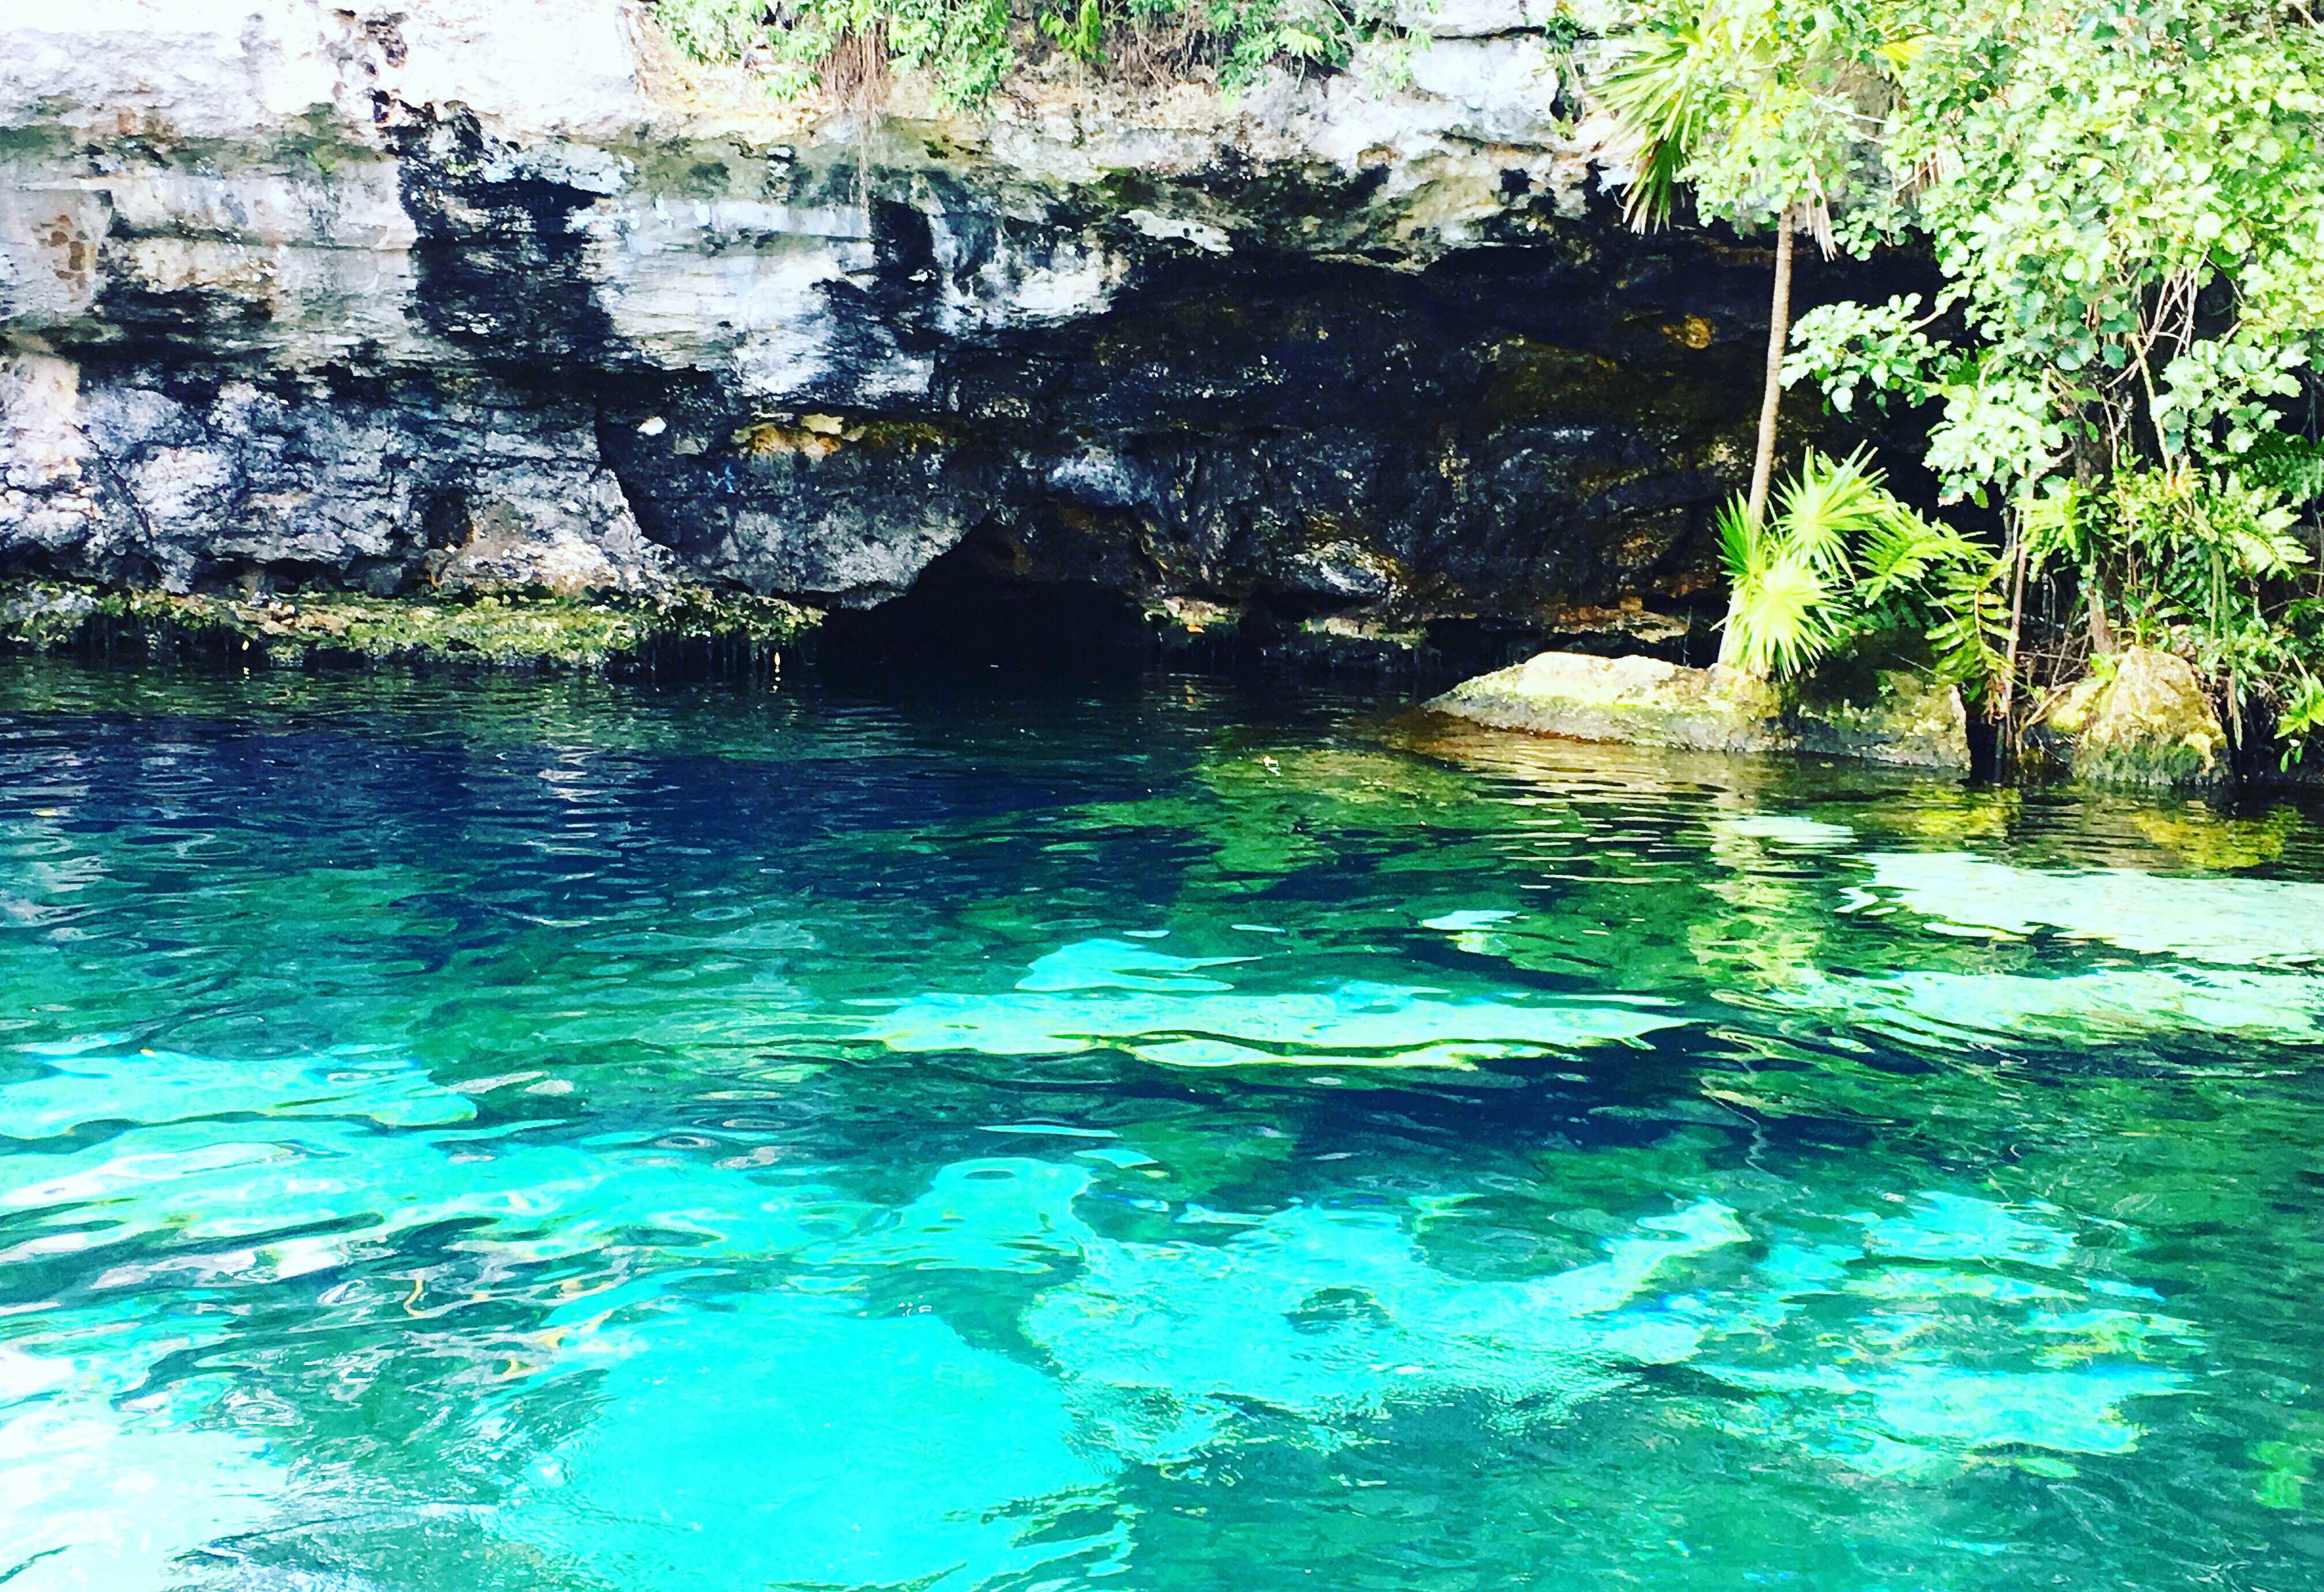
513, 630
2139, 718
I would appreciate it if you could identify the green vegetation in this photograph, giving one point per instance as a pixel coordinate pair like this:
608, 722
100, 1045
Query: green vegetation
1845, 559
2118, 380
965, 47
519, 631
1760, 109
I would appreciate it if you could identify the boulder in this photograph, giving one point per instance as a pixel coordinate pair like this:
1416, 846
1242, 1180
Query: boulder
2139, 718
1908, 718
1639, 701
1646, 702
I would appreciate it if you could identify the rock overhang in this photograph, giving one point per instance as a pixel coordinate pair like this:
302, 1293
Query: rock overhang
399, 304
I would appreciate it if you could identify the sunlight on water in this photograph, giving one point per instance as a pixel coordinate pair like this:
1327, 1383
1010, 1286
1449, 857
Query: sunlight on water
2237, 921
792, 1441
1104, 994
551, 1136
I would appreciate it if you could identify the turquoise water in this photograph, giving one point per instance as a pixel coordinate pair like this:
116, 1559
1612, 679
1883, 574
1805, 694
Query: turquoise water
460, 1135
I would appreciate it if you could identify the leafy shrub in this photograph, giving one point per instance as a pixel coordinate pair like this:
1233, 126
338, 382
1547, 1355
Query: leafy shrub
1841, 560
2126, 198
967, 46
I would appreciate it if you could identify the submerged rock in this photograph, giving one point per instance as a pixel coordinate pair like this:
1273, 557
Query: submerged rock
2142, 720
1110, 995
1646, 702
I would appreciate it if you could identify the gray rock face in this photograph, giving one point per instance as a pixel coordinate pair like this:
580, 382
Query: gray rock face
493, 292
152, 476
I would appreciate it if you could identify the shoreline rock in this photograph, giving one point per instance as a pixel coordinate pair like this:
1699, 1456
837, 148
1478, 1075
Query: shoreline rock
2139, 719
542, 630
1646, 702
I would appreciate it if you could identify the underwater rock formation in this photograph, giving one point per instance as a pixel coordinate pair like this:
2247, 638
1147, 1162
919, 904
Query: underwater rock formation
461, 295
1934, 1332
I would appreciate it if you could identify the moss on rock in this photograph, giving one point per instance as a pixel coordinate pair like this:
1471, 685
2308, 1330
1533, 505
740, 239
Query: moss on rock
1639, 701
1645, 701
2139, 718
506, 629
1908, 718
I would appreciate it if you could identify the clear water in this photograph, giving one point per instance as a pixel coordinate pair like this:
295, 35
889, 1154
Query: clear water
461, 1136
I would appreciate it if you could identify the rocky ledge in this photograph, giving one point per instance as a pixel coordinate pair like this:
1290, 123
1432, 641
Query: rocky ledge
462, 296
682, 629
1902, 718
2138, 718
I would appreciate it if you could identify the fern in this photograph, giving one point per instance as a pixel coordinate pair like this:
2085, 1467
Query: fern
2055, 523
2293, 466
1900, 549
1969, 629
2301, 716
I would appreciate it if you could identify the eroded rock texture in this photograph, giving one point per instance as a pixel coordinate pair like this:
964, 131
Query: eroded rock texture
491, 291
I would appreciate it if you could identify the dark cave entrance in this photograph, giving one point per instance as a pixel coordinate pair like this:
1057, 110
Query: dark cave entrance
971, 614
975, 617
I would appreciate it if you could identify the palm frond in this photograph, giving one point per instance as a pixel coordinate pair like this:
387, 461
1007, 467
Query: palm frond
1742, 544
1782, 621
1665, 93
1786, 609
1827, 503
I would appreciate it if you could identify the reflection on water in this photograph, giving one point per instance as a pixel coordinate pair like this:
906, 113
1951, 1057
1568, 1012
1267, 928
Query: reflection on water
547, 1135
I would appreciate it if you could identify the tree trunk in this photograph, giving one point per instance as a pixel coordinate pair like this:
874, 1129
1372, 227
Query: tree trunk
1779, 331
2011, 751
1762, 457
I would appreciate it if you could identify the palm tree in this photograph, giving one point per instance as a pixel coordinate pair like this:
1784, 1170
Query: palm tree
1757, 116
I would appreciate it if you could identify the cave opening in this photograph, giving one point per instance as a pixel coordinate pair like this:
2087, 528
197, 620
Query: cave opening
971, 613
980, 614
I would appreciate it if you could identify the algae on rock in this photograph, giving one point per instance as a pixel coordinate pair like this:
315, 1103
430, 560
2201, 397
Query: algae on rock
2141, 718
491, 630
1640, 701
1646, 702
1907, 717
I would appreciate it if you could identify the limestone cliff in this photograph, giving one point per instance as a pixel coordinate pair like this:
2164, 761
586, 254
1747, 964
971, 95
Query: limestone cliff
497, 292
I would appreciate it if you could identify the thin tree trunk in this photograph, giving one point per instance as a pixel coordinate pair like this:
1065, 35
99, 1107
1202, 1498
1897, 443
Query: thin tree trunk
2101, 632
1779, 331
2006, 734
1763, 456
